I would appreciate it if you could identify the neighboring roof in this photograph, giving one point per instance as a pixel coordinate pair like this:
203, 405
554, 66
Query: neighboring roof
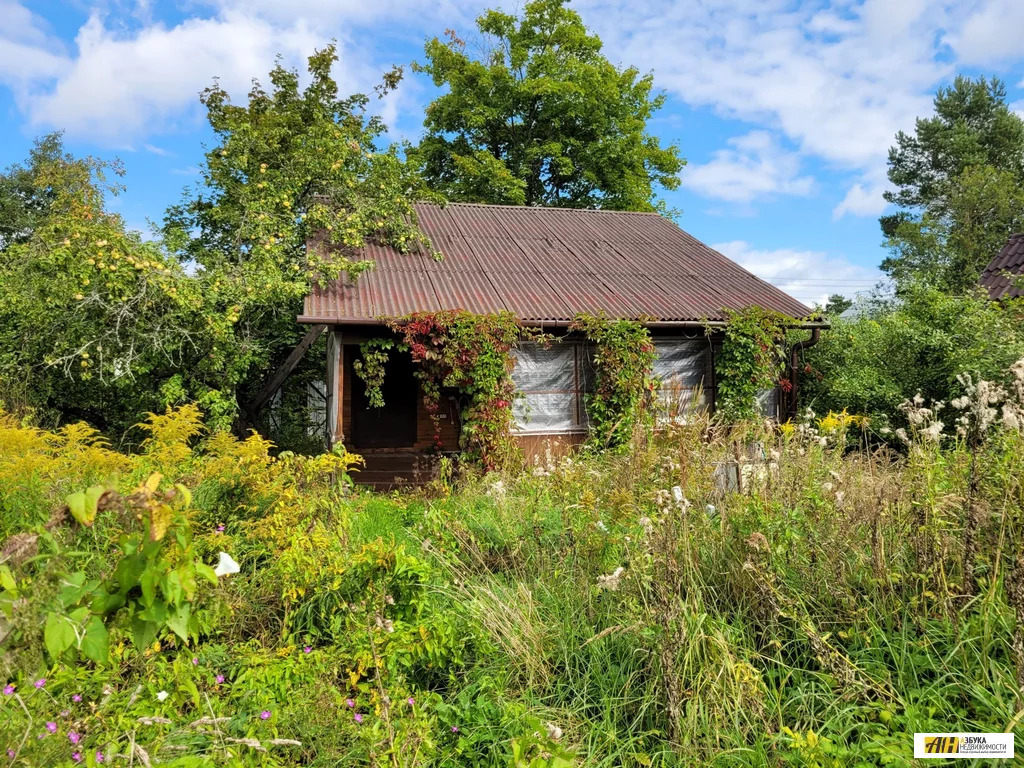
547, 265
1010, 259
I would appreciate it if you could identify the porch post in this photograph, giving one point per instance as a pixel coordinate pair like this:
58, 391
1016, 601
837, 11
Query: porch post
335, 389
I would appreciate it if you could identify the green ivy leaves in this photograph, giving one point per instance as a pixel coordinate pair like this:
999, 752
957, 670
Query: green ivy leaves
623, 364
750, 361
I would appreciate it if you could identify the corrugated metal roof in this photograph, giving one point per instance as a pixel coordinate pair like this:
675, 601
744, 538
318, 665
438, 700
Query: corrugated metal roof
546, 265
1010, 259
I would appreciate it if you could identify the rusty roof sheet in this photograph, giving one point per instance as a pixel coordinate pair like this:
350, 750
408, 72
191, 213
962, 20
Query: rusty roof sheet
546, 265
1010, 260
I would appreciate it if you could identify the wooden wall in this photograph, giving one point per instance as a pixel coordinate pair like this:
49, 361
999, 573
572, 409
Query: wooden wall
537, 448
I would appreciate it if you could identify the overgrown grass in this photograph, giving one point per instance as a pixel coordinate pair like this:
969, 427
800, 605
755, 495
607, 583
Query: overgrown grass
625, 609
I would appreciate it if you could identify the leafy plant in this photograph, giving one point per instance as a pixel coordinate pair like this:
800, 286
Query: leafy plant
623, 384
750, 361
373, 356
154, 580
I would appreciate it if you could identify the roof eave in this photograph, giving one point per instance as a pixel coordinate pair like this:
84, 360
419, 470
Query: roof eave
797, 324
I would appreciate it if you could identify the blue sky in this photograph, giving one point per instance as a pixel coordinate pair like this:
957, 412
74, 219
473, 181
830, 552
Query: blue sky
783, 110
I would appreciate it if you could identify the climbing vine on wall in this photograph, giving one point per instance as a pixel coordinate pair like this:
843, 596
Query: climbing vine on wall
750, 361
369, 367
471, 354
624, 385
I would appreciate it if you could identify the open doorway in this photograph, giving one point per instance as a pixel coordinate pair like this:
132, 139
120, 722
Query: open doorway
394, 424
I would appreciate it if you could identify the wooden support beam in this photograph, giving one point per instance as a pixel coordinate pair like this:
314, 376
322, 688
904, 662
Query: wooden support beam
274, 382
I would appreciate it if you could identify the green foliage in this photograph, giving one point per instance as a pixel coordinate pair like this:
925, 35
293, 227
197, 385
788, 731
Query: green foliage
972, 127
289, 165
23, 201
541, 117
373, 356
91, 317
97, 324
750, 361
836, 305
470, 354
623, 360
618, 608
960, 184
153, 579
919, 345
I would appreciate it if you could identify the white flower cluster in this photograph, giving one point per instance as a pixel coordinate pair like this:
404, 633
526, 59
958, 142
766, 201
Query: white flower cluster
984, 404
611, 581
923, 421
807, 432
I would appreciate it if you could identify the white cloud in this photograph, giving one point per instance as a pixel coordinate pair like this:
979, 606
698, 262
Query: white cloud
808, 276
860, 201
990, 34
837, 83
27, 50
333, 12
122, 85
753, 166
159, 151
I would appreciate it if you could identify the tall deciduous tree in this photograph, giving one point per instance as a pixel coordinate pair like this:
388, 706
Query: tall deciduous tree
291, 164
535, 114
91, 316
959, 181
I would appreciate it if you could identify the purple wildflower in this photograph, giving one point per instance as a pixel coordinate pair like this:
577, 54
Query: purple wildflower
77, 697
76, 756
74, 737
220, 528
455, 729
40, 682
51, 727
11, 753
411, 701
265, 714
357, 717
220, 679
99, 757
307, 649
195, 661
350, 703
8, 690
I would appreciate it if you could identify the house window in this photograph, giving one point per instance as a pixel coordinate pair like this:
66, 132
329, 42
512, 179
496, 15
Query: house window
552, 382
683, 368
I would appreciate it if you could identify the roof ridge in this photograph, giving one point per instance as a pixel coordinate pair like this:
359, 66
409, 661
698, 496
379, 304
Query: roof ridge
533, 207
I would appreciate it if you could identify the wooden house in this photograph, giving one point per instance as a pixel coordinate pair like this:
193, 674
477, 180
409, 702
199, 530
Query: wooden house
546, 266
